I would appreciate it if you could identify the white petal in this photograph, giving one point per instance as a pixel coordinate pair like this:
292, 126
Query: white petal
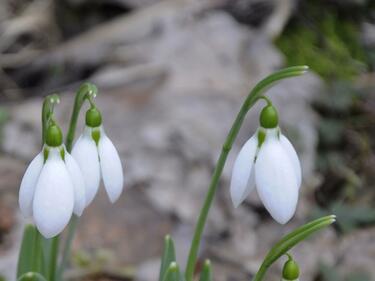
110, 164
242, 182
28, 184
292, 154
54, 196
276, 180
78, 184
85, 153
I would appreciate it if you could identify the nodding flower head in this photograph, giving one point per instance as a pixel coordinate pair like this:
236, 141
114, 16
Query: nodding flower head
52, 187
97, 157
290, 270
269, 162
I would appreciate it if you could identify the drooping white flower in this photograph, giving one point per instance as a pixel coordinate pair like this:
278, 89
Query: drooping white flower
269, 162
98, 158
52, 188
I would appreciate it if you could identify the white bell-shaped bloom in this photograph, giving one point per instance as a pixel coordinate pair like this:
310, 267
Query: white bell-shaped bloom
97, 157
272, 165
51, 190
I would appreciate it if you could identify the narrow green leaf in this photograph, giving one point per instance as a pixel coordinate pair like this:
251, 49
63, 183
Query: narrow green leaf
289, 241
206, 274
295, 237
26, 254
30, 256
304, 227
172, 273
32, 276
169, 256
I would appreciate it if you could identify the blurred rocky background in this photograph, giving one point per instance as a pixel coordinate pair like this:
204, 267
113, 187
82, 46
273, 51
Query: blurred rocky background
172, 76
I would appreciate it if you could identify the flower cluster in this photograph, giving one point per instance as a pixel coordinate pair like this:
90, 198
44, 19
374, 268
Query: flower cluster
63, 180
57, 184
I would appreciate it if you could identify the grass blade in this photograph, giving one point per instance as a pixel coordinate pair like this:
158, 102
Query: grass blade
206, 274
172, 273
32, 276
169, 256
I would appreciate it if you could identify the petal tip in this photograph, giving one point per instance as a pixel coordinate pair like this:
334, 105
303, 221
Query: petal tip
236, 203
114, 198
78, 213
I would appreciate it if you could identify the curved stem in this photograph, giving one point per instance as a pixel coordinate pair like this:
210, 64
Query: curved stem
47, 112
248, 103
86, 91
267, 100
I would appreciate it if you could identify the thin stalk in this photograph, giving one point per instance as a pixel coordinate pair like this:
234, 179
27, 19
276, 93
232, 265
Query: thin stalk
249, 102
37, 262
67, 248
87, 91
54, 255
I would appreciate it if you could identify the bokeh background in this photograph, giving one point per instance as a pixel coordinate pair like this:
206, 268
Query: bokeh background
172, 76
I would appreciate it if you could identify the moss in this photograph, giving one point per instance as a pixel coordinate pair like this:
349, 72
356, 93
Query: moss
326, 39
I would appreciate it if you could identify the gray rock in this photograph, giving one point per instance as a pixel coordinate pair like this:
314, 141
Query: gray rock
357, 252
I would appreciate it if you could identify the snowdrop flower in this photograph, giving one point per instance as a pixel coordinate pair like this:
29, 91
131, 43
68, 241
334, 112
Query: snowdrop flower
97, 157
269, 162
52, 187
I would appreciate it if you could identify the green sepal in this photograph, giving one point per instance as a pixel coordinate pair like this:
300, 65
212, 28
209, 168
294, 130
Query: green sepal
172, 273
93, 117
54, 136
62, 153
30, 256
261, 137
95, 134
269, 118
206, 274
169, 256
45, 154
32, 276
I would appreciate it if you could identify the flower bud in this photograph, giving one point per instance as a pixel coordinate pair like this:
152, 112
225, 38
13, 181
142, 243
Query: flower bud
268, 117
93, 117
290, 270
54, 136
